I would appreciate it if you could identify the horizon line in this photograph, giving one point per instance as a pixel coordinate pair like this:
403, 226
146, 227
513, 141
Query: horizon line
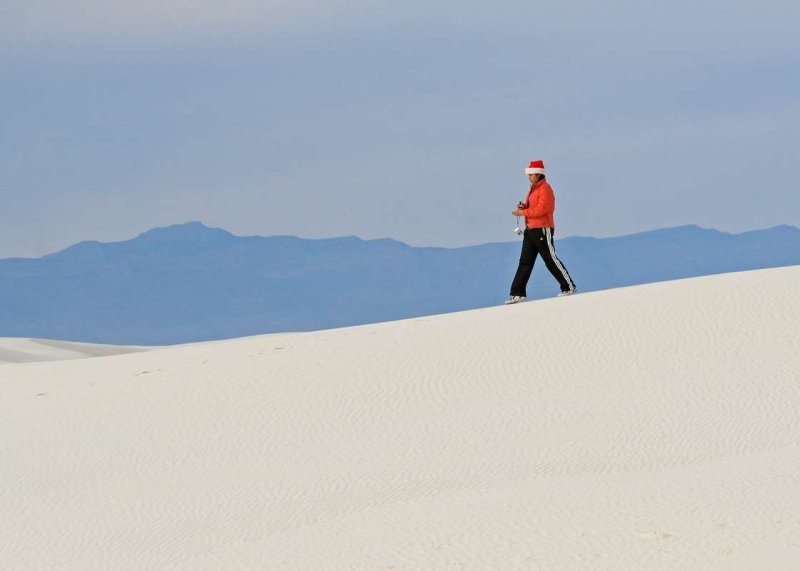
346, 236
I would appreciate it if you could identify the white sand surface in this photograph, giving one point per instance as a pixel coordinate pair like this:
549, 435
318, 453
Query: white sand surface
653, 427
22, 350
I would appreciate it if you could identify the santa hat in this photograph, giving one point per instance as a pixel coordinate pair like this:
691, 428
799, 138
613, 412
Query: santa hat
536, 167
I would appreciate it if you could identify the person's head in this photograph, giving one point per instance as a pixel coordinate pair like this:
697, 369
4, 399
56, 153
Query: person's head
535, 171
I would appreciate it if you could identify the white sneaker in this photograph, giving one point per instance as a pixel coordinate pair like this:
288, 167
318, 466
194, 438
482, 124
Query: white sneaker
515, 299
566, 293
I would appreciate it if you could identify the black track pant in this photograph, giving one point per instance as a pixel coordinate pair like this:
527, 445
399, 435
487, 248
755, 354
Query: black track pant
539, 241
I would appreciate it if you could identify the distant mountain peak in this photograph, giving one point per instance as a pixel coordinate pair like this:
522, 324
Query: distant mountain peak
193, 231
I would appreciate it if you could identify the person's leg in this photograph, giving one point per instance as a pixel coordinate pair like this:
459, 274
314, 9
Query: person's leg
548, 252
526, 260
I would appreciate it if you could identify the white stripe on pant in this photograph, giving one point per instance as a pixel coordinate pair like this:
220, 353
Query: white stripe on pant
561, 268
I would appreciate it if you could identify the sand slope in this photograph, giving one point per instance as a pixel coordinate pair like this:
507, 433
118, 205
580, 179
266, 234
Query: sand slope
21, 350
652, 427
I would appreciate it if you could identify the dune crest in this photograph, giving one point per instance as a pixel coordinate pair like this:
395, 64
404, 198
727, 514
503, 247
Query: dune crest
24, 350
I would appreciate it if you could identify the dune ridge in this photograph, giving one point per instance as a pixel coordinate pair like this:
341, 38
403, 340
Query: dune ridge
26, 350
648, 427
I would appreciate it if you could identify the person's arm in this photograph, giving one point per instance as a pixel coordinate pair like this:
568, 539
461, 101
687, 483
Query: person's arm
520, 211
526, 212
544, 204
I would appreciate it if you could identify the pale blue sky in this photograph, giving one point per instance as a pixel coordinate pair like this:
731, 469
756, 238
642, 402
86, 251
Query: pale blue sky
410, 120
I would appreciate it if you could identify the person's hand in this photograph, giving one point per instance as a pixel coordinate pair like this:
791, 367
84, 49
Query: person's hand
516, 213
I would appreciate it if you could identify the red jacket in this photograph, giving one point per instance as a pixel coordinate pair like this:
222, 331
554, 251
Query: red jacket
539, 206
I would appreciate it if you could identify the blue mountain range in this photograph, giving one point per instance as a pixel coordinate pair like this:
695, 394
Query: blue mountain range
189, 282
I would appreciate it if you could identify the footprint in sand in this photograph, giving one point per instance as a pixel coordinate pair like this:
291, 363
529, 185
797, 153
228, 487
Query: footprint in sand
655, 535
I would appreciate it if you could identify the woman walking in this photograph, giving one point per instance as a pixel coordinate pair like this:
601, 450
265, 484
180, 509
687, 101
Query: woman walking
537, 239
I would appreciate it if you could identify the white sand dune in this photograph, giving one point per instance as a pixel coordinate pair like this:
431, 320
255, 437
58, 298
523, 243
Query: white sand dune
21, 350
645, 428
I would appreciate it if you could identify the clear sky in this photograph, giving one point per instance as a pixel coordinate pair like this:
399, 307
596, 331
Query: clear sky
412, 120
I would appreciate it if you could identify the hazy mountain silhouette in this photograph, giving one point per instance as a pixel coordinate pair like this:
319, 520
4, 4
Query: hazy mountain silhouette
189, 282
